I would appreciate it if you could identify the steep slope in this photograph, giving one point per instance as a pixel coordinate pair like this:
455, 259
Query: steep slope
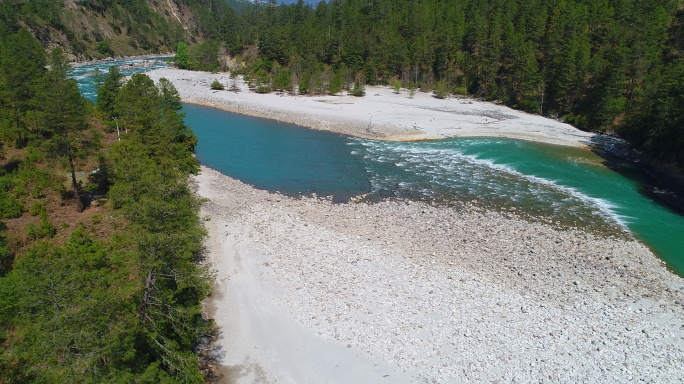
100, 28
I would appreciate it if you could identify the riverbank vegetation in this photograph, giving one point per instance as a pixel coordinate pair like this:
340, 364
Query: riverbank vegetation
100, 238
607, 65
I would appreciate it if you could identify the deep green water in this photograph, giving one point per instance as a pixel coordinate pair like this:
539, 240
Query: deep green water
570, 186
277, 157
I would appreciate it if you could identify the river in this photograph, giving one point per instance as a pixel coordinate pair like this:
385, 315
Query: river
563, 186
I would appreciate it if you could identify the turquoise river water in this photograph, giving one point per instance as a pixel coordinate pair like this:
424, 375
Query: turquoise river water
568, 186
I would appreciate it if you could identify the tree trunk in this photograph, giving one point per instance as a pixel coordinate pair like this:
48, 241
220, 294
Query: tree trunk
77, 194
146, 297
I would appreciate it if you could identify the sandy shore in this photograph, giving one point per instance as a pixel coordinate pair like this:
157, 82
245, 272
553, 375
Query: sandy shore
309, 292
381, 114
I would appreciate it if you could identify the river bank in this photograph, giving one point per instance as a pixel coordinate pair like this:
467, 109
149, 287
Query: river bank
381, 114
311, 291
669, 180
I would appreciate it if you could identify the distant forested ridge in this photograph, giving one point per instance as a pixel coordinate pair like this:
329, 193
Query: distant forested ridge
100, 238
603, 65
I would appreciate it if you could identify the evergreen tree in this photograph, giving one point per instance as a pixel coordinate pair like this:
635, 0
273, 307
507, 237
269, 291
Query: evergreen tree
63, 115
108, 91
182, 56
22, 63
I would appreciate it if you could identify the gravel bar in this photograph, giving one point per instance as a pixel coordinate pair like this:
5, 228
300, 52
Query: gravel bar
436, 294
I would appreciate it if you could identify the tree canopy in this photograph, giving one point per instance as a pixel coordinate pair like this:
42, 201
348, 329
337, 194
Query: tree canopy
607, 65
113, 298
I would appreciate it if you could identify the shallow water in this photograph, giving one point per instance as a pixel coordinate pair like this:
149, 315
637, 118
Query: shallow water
567, 186
87, 75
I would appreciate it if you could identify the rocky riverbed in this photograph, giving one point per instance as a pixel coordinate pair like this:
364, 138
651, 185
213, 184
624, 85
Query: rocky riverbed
402, 291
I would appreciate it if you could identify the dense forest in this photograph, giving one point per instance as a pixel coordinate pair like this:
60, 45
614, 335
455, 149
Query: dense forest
101, 239
601, 65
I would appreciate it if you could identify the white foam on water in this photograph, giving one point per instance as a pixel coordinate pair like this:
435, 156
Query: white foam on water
606, 208
451, 168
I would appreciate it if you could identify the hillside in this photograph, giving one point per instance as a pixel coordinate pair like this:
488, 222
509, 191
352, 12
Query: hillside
99, 28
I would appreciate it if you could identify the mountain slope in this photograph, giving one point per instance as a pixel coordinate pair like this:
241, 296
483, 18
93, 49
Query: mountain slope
100, 28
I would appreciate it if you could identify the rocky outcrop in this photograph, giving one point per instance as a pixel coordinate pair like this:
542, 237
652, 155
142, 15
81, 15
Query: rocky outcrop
670, 182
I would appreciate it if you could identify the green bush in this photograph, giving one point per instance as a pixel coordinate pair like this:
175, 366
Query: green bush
397, 86
441, 90
37, 192
460, 91
47, 229
10, 208
37, 208
216, 85
32, 232
19, 191
104, 49
263, 89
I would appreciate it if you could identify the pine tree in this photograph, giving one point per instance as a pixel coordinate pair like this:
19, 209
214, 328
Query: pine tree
22, 63
63, 116
182, 56
108, 91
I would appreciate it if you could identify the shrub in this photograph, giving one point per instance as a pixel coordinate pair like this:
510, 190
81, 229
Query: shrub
19, 191
359, 90
37, 192
37, 208
104, 49
216, 85
441, 90
32, 232
263, 89
47, 229
397, 86
10, 208
461, 91
44, 230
